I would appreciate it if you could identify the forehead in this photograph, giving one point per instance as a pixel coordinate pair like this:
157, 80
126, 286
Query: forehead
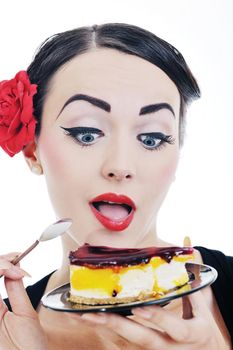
108, 73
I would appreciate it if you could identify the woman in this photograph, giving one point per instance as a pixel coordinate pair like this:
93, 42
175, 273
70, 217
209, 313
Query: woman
110, 112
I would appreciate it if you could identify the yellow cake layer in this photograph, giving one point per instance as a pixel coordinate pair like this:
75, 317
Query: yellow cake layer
157, 276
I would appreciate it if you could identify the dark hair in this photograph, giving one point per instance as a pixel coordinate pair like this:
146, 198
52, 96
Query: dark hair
62, 47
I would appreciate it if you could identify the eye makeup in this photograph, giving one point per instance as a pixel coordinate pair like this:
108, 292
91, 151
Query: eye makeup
85, 136
155, 140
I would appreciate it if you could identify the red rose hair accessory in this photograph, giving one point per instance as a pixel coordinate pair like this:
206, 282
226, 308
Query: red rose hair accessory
17, 122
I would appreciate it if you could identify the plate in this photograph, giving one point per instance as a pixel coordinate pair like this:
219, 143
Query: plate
200, 276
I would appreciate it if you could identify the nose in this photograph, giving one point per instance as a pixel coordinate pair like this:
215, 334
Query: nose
118, 174
118, 165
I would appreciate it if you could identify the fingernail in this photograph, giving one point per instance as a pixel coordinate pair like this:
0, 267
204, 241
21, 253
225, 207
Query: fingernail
187, 241
100, 319
142, 312
5, 265
25, 273
20, 272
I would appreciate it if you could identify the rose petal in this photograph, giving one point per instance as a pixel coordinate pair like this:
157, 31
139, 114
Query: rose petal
17, 122
3, 134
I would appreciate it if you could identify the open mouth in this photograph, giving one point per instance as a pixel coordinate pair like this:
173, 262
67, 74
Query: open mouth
115, 212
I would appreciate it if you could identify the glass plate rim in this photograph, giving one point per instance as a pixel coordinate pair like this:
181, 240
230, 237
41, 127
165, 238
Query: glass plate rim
124, 308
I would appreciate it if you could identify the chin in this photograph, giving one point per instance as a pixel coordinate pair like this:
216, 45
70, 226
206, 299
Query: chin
112, 239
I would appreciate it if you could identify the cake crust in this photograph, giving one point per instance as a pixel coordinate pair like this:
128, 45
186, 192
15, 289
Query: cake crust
112, 300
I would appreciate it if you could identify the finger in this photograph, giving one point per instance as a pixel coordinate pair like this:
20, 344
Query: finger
4, 264
202, 317
10, 271
9, 256
180, 330
130, 330
3, 308
198, 304
19, 300
175, 327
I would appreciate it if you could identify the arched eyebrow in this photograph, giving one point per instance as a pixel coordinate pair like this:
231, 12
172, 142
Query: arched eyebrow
155, 108
93, 100
107, 107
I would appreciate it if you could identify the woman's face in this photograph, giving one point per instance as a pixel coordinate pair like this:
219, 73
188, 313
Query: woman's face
109, 127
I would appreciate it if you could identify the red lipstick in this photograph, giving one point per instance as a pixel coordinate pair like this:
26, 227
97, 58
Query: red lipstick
111, 204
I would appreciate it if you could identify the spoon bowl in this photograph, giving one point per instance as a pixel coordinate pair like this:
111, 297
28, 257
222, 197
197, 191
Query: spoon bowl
55, 230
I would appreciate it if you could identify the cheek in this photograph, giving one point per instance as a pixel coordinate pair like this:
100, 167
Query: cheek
168, 171
160, 174
54, 159
59, 156
63, 170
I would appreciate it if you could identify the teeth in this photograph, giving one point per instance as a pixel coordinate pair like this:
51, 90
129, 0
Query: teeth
109, 202
127, 206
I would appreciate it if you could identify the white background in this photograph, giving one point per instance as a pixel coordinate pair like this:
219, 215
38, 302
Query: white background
200, 201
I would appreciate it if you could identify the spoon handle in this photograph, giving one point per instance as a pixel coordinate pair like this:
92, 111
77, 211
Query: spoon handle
22, 255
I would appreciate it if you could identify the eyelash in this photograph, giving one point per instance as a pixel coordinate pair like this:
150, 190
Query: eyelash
155, 136
80, 131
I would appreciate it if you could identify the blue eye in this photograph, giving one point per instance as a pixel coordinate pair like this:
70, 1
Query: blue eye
85, 136
149, 141
154, 140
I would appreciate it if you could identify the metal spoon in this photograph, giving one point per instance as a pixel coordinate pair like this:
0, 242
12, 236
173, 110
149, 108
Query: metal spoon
52, 231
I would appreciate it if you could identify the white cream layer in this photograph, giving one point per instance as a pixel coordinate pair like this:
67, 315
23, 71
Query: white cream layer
136, 281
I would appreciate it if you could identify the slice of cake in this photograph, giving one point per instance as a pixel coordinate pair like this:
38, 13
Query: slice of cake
105, 275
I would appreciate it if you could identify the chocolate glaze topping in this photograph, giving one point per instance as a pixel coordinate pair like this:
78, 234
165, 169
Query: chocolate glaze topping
101, 256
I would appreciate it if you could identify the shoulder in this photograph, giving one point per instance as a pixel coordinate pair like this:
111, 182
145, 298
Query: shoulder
215, 258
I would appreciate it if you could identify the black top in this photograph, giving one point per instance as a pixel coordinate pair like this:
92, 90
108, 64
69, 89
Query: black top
222, 287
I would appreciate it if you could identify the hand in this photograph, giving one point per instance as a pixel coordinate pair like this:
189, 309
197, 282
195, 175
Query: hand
197, 331
19, 329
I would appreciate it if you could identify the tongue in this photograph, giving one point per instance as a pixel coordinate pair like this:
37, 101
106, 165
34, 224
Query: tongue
113, 212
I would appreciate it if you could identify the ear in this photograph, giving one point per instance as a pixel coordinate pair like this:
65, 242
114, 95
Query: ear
32, 159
